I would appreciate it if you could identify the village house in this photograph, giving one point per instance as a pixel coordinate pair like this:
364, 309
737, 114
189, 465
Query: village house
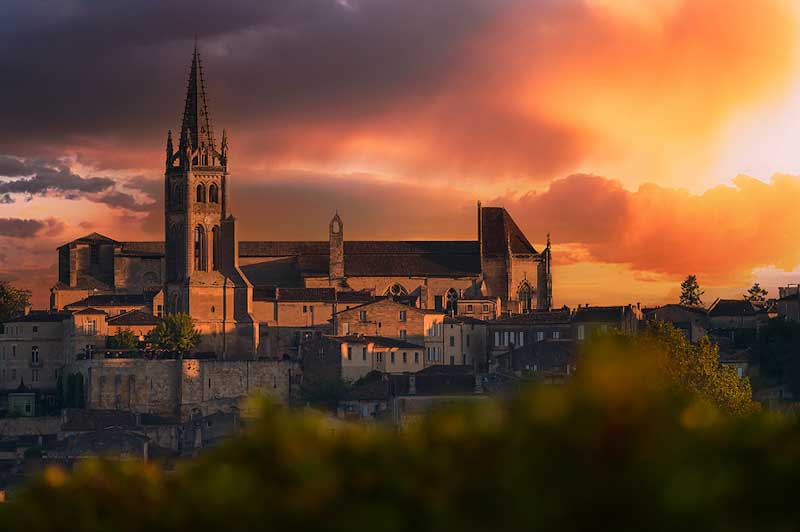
692, 321
588, 321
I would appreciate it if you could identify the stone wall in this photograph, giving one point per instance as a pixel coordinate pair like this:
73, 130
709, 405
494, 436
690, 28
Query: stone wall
10, 427
181, 388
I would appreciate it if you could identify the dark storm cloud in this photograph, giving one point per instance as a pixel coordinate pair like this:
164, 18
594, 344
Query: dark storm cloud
22, 228
116, 70
37, 177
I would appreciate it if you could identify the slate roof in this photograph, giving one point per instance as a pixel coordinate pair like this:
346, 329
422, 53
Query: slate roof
133, 317
499, 231
731, 307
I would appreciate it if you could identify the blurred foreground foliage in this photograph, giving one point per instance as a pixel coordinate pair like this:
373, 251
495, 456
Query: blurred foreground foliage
639, 440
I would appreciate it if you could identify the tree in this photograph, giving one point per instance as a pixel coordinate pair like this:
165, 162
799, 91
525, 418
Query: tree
690, 292
696, 368
176, 333
12, 301
756, 294
124, 339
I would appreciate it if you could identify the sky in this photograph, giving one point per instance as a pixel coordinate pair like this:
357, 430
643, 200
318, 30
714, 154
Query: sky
652, 140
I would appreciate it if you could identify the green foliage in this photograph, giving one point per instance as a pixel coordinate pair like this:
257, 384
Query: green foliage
756, 294
326, 393
696, 368
372, 376
778, 349
621, 445
176, 333
691, 294
12, 301
124, 339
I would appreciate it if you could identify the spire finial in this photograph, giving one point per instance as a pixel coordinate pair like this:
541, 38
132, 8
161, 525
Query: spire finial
548, 240
196, 119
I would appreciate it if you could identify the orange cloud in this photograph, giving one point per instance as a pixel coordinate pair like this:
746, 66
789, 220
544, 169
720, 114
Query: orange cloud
721, 235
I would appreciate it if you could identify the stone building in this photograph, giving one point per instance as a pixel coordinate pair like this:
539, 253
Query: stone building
588, 321
465, 341
31, 351
203, 269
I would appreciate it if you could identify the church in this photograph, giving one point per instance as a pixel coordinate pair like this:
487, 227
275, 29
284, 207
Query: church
242, 294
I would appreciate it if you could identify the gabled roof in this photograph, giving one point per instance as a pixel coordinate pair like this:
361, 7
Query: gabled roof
731, 307
133, 317
91, 238
90, 310
499, 232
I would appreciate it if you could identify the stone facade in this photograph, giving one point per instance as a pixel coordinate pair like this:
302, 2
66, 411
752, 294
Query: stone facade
181, 388
203, 269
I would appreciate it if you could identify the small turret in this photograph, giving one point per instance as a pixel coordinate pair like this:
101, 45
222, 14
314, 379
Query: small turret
223, 155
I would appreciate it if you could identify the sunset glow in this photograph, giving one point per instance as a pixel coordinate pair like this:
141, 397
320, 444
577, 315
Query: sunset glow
652, 139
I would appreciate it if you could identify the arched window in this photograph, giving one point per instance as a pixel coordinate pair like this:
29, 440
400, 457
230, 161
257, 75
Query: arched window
396, 290
35, 354
215, 247
451, 301
525, 296
201, 193
213, 194
200, 255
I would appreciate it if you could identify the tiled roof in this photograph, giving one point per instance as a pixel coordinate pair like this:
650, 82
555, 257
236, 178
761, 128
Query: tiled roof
143, 249
133, 317
84, 283
536, 318
688, 308
90, 310
599, 314
356, 296
731, 307
111, 300
327, 295
463, 319
91, 238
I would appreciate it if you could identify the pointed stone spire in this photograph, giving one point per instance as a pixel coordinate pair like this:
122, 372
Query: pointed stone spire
170, 151
196, 128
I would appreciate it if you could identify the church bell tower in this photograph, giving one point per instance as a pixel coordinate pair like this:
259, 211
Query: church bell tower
202, 272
